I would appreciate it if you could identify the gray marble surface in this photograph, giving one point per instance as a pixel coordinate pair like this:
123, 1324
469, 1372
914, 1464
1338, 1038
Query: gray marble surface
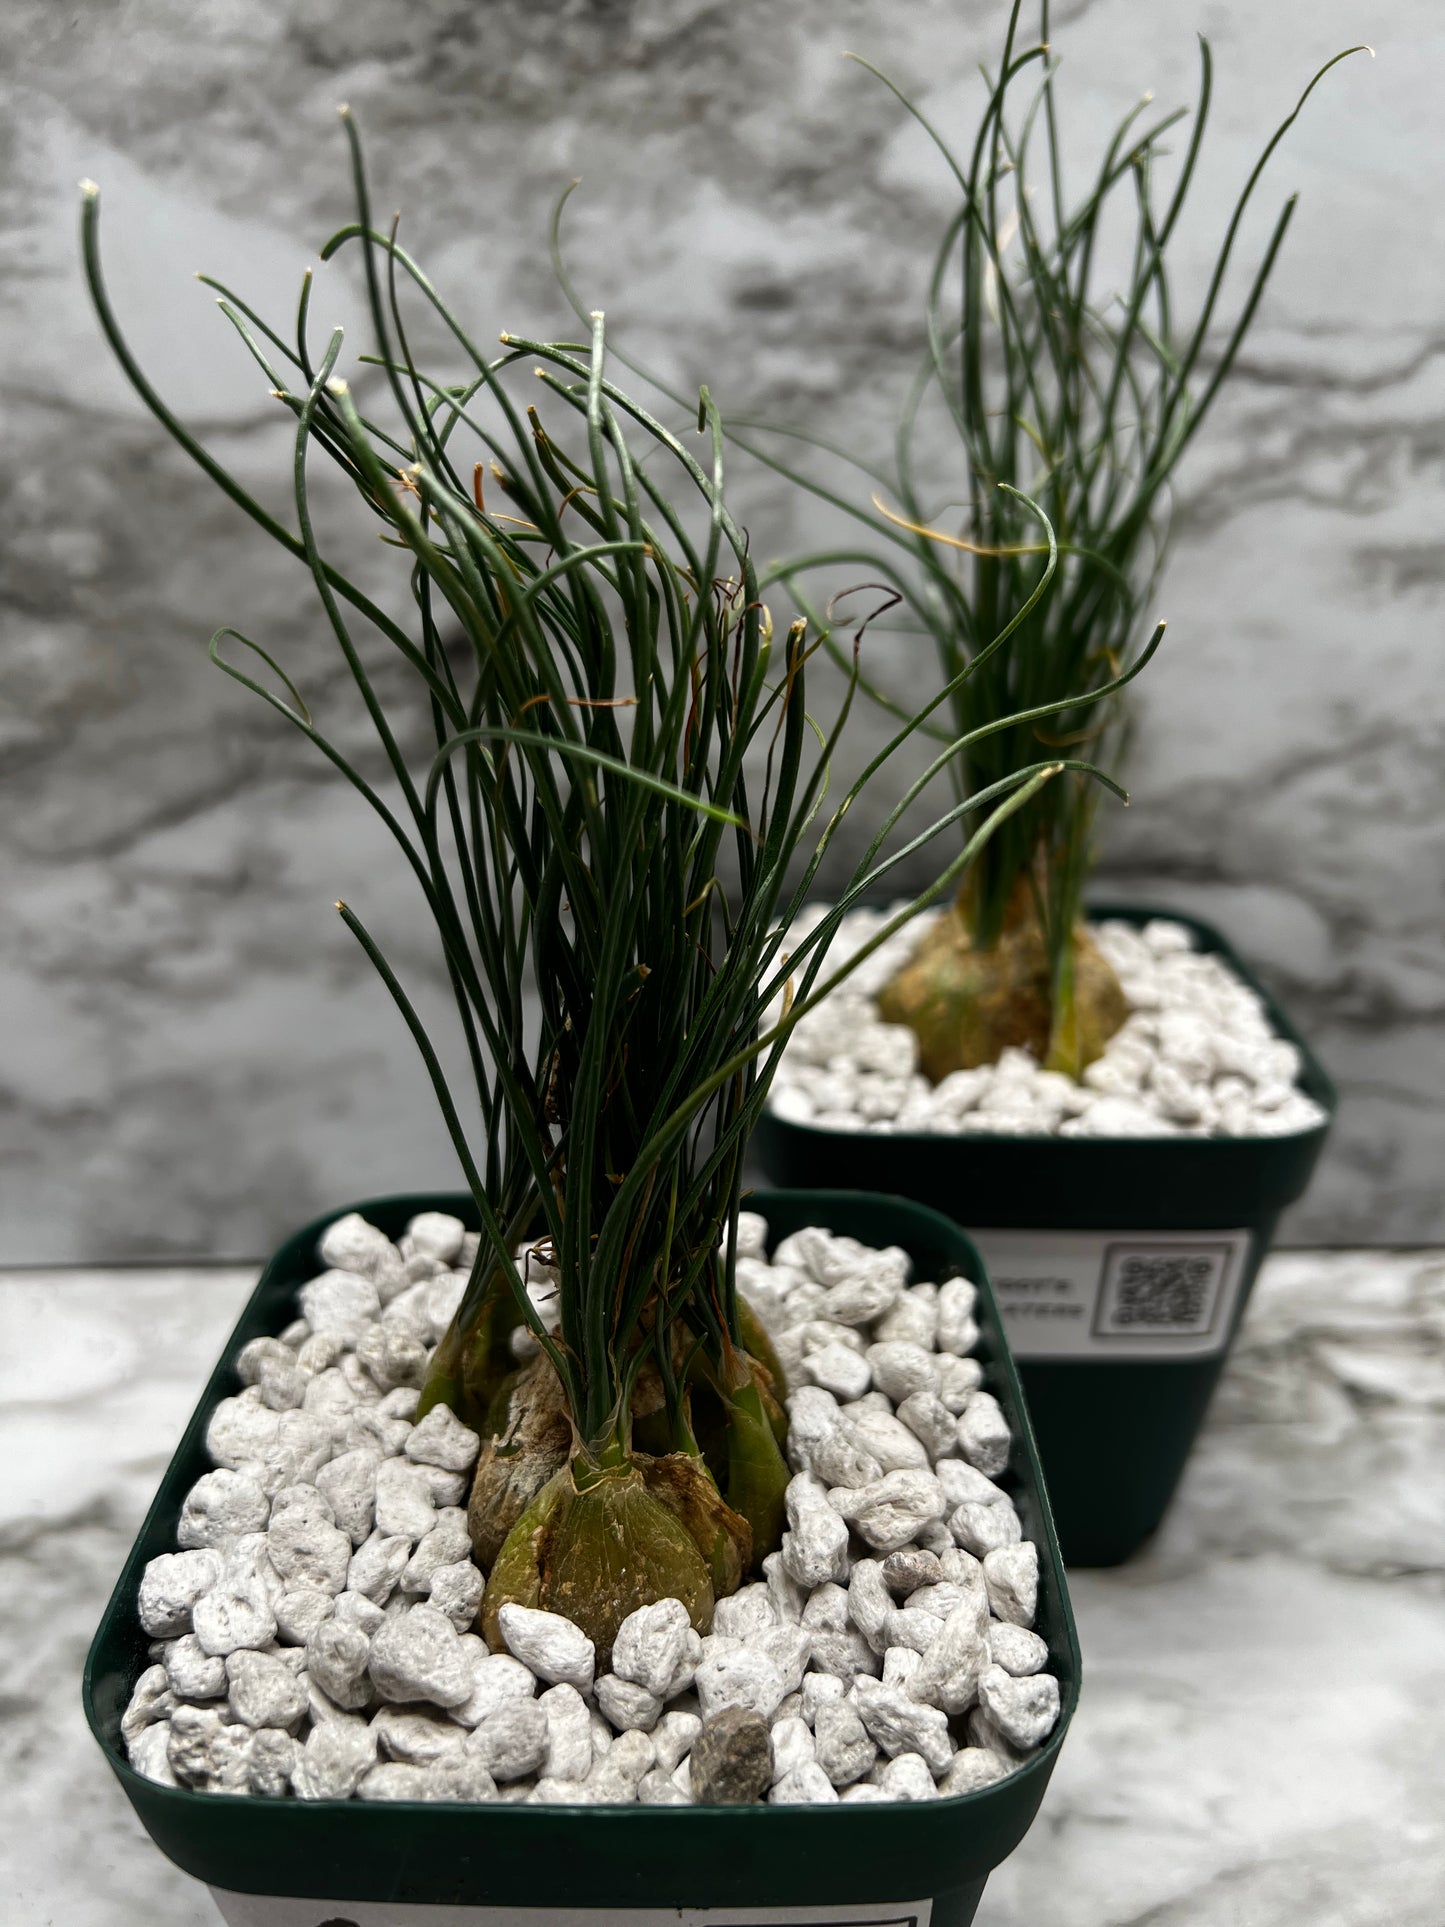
195, 1055
1259, 1741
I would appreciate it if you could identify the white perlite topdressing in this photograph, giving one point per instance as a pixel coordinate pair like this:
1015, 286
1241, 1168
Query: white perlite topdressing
311, 1632
1196, 1057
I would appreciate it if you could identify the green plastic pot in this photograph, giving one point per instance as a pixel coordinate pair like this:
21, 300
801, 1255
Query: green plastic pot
1073, 1228
895, 1865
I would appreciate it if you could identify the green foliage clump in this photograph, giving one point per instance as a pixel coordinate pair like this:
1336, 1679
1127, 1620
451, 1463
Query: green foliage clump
620, 807
1066, 389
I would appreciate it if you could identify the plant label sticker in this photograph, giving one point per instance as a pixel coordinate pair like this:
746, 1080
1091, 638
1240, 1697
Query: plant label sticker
266, 1910
1115, 1294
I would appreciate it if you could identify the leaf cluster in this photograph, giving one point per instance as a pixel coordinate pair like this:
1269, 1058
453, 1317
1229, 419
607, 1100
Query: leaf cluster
1065, 388
622, 806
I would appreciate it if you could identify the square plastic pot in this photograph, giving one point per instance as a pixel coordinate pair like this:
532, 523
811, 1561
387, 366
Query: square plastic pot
344, 1863
1122, 1267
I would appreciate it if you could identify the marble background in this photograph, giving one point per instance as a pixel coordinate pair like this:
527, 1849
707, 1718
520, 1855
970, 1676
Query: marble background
194, 1054
1258, 1742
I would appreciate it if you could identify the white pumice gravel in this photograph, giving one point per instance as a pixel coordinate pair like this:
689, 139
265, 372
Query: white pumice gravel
1196, 1057
314, 1632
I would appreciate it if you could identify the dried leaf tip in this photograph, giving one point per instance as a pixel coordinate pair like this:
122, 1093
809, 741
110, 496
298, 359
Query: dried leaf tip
340, 905
89, 190
336, 386
343, 112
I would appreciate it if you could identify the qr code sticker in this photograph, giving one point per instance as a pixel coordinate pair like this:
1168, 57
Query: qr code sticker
1151, 1291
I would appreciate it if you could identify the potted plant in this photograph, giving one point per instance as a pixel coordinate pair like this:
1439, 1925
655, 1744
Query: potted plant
545, 1409
1107, 1099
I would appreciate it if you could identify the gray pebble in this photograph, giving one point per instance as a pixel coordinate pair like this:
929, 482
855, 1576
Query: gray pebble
929, 1420
673, 1738
355, 1609
819, 1689
348, 1483
446, 1544
240, 1431
256, 1353
442, 1440
337, 1656
351, 1244
220, 1507
963, 1482
652, 1641
955, 1662
791, 1741
909, 1568
512, 1741
416, 1656
657, 1788
889, 1513
1011, 1575
1017, 1650
1024, 1710
888, 1440
299, 1611
569, 1738
983, 1435
495, 1679
626, 1706
901, 1725
414, 1737
273, 1757
842, 1746
208, 1752
404, 1505
789, 1648
334, 1760
549, 1646
806, 1786
957, 1331
828, 1607
816, 1547
263, 1691
745, 1679
193, 1673
457, 1591
339, 1303
731, 1758
391, 1356
900, 1369
170, 1587
377, 1565
151, 1700
973, 1767
234, 1615
306, 1551
981, 1529
848, 1656
908, 1778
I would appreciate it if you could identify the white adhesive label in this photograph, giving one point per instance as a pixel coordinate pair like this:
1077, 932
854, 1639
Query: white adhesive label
1115, 1294
265, 1910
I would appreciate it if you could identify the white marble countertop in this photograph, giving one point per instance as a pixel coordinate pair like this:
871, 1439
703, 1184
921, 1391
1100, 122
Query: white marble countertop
1260, 1741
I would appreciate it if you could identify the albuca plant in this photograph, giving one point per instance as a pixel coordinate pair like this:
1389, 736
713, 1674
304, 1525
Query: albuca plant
620, 805
1073, 389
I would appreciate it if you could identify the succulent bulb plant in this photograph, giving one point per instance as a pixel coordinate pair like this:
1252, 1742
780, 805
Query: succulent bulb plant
1071, 390
620, 806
